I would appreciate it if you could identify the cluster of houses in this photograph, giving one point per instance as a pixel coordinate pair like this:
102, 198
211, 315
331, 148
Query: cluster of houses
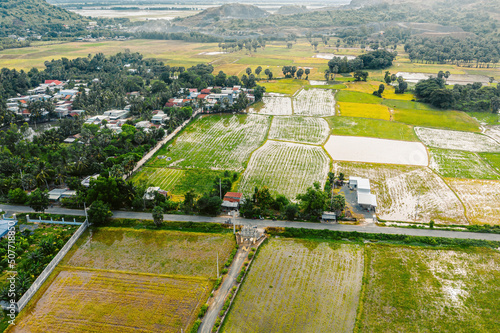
208, 97
51, 90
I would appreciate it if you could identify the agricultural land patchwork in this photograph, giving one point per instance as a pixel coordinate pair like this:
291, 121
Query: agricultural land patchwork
285, 168
119, 279
300, 286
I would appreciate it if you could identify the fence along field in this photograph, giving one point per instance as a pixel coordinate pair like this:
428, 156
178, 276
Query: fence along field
413, 289
408, 193
314, 102
480, 197
119, 279
215, 142
310, 130
285, 168
299, 286
467, 141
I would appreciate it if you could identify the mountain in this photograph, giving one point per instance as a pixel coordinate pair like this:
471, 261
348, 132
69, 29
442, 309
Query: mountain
36, 15
225, 12
291, 9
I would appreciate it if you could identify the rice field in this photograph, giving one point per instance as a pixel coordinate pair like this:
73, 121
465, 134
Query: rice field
408, 193
165, 178
493, 159
372, 150
128, 280
460, 164
155, 252
310, 130
411, 289
364, 110
356, 97
285, 168
481, 199
374, 128
473, 142
314, 102
299, 286
103, 301
493, 132
215, 142
452, 120
277, 106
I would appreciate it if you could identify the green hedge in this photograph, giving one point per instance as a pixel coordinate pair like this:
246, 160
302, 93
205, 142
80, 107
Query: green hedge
169, 225
359, 236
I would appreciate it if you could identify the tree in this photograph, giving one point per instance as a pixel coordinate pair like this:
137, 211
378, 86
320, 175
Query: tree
188, 203
387, 78
258, 70
300, 72
289, 45
17, 196
158, 216
291, 211
314, 202
262, 198
338, 204
209, 205
248, 71
38, 200
99, 213
307, 72
442, 98
334, 70
380, 90
360, 75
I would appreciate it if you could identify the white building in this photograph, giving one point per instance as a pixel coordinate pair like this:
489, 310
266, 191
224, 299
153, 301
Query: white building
363, 192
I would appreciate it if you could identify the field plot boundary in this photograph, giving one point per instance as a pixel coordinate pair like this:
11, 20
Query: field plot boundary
271, 280
457, 140
169, 276
260, 170
158, 287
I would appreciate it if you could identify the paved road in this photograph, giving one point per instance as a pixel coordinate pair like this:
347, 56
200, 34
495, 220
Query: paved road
268, 223
220, 296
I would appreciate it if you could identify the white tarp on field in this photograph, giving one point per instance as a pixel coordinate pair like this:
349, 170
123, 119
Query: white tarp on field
371, 150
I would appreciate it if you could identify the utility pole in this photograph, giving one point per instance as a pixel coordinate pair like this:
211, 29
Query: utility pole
85, 211
22, 183
220, 187
418, 202
217, 264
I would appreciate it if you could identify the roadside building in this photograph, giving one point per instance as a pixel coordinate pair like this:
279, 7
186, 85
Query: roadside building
231, 201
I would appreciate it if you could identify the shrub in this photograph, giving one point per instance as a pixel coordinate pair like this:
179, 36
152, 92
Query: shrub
203, 310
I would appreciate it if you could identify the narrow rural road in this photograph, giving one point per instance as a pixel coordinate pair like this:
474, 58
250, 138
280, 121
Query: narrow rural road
160, 144
268, 223
220, 296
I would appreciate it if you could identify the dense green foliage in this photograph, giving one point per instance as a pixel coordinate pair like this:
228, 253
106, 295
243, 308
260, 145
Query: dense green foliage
404, 239
477, 51
378, 59
471, 97
34, 250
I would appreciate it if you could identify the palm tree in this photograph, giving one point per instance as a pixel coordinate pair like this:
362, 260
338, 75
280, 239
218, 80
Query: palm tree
42, 174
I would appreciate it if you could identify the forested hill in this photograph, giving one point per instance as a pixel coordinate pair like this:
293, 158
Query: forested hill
37, 15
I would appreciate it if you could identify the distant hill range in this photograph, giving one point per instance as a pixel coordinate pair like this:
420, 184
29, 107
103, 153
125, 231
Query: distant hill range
37, 15
225, 12
292, 9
